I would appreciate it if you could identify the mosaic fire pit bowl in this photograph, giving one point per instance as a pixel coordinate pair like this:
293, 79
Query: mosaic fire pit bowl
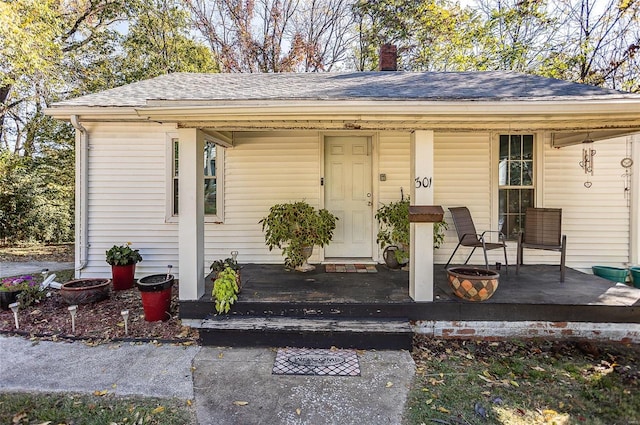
85, 291
473, 284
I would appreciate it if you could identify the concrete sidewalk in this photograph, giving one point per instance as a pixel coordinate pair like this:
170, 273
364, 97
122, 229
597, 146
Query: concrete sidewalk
31, 267
215, 378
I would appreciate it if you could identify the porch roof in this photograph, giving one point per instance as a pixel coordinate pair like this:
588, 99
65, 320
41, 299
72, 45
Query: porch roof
438, 86
403, 101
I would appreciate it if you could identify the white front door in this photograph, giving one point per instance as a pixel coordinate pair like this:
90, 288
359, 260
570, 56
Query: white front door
348, 195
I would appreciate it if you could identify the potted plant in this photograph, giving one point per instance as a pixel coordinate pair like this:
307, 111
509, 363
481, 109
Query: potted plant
11, 287
155, 291
123, 261
219, 265
393, 235
225, 290
296, 227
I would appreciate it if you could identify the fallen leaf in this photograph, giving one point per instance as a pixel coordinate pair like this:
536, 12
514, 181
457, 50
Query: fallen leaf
45, 423
389, 384
221, 355
443, 410
485, 379
514, 383
114, 385
240, 403
100, 393
157, 410
429, 401
19, 417
189, 402
538, 368
298, 411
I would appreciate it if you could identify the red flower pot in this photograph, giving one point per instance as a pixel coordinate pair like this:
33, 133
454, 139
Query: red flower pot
123, 276
155, 291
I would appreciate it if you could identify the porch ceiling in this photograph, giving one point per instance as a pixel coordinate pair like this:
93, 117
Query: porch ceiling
562, 139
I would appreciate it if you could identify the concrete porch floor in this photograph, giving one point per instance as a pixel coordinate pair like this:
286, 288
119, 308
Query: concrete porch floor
536, 284
536, 294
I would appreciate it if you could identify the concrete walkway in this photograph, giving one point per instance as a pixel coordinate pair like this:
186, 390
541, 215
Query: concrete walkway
215, 378
30, 267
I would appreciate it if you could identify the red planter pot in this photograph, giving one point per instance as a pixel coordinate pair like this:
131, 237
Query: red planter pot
123, 276
155, 291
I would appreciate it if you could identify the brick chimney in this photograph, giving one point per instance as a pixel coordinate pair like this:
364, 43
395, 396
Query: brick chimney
388, 57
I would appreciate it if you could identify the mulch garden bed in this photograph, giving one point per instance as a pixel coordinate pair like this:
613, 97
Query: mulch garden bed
98, 322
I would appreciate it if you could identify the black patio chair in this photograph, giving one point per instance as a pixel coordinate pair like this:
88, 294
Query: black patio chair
467, 236
543, 230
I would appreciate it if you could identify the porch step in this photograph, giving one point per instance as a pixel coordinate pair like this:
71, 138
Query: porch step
391, 334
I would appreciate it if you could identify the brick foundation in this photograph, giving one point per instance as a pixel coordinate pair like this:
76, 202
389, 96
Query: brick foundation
488, 330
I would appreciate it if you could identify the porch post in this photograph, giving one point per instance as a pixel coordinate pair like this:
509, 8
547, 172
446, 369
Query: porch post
421, 236
191, 213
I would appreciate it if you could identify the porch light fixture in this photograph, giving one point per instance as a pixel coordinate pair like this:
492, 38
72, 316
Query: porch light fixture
587, 159
14, 307
234, 256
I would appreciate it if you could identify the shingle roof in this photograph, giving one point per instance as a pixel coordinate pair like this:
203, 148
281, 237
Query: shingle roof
433, 86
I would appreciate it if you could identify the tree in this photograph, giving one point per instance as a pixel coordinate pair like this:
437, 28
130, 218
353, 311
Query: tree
517, 35
601, 42
158, 42
52, 50
431, 35
274, 35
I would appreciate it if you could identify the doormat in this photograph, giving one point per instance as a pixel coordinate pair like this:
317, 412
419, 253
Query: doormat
350, 268
320, 362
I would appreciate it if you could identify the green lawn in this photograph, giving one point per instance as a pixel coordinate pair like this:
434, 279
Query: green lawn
513, 382
69, 409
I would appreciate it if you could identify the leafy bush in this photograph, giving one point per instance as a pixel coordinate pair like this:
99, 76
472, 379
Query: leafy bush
123, 255
36, 197
295, 225
225, 290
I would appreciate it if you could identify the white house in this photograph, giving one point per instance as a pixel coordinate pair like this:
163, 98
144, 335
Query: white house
185, 165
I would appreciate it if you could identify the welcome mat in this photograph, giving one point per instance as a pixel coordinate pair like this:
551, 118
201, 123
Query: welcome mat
321, 362
350, 268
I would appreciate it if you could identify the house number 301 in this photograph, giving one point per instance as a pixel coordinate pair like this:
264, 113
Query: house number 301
423, 182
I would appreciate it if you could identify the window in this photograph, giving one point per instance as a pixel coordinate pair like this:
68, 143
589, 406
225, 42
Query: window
516, 182
210, 179
213, 160
174, 176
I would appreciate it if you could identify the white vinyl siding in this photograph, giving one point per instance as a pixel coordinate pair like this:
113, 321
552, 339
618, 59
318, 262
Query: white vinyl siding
462, 177
127, 196
128, 182
596, 220
262, 169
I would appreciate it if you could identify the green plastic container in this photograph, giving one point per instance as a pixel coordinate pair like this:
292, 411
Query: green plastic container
635, 276
615, 274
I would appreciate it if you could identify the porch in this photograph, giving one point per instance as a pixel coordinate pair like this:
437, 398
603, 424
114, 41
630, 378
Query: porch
273, 298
